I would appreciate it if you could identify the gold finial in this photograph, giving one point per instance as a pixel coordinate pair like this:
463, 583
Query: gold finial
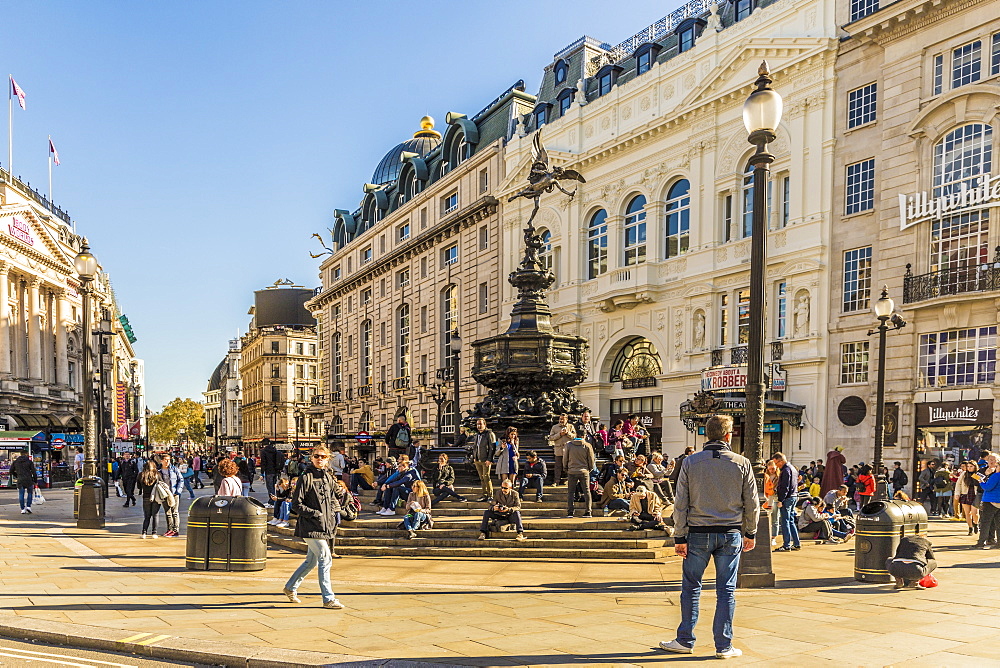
427, 123
763, 69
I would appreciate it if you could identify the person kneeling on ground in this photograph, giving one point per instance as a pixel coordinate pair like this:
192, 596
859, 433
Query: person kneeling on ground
812, 519
533, 475
645, 510
418, 509
617, 493
506, 509
913, 560
443, 481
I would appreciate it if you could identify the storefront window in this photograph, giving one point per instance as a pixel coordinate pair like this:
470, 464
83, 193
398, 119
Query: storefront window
744, 317
958, 357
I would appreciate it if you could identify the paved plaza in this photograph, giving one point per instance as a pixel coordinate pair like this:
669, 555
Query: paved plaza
488, 612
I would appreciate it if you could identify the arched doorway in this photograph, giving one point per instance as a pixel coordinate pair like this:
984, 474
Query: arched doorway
635, 367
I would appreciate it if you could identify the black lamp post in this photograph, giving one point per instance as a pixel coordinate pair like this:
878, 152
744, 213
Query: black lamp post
761, 115
438, 395
455, 345
90, 489
883, 309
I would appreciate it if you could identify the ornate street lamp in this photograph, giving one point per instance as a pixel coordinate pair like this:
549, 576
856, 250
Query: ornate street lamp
883, 309
90, 488
455, 345
761, 115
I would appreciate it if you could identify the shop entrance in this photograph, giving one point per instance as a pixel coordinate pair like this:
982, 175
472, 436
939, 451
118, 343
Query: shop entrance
952, 432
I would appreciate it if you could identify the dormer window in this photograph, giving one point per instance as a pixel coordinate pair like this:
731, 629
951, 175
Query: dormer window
561, 70
542, 114
606, 78
744, 8
565, 101
645, 56
688, 32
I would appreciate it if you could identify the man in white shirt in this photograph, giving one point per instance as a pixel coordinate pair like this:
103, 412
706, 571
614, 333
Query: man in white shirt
78, 463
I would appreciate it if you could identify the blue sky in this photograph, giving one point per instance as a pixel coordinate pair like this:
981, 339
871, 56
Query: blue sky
203, 142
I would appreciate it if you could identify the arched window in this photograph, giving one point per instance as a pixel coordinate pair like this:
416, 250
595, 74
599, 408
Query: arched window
561, 70
597, 244
337, 425
635, 231
635, 362
366, 352
678, 218
403, 341
366, 423
446, 418
960, 161
336, 359
449, 320
545, 252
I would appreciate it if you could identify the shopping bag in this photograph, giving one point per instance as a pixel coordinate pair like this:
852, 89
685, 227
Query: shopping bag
928, 581
37, 498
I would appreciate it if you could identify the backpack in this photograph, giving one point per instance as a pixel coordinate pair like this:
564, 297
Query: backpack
349, 511
940, 483
402, 438
294, 469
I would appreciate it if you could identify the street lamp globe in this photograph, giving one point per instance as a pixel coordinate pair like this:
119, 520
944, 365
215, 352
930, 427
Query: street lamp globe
85, 262
455, 342
884, 306
762, 110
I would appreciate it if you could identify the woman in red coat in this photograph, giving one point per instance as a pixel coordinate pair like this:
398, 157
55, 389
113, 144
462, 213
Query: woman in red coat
833, 474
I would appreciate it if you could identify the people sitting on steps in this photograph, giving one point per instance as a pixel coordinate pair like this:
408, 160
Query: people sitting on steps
646, 510
443, 481
506, 509
813, 519
398, 486
533, 476
418, 510
385, 470
617, 493
362, 478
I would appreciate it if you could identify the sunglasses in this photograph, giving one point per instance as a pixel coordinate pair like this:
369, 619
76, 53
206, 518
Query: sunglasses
321, 456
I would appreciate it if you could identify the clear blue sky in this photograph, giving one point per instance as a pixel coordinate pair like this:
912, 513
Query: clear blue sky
203, 142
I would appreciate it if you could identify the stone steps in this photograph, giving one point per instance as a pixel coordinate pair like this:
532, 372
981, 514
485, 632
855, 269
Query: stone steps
472, 530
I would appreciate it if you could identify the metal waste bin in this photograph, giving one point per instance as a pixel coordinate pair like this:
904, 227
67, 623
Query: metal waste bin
226, 533
88, 493
880, 526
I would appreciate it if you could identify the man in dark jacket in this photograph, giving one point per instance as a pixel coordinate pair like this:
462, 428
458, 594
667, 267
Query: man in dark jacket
314, 501
899, 477
786, 493
400, 436
533, 475
913, 560
23, 472
398, 486
483, 446
677, 467
128, 469
270, 466
443, 481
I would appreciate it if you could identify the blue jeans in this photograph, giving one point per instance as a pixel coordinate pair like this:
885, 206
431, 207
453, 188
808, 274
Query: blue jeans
412, 521
187, 486
789, 528
284, 510
246, 488
535, 482
318, 553
24, 495
358, 482
269, 480
616, 504
725, 550
394, 494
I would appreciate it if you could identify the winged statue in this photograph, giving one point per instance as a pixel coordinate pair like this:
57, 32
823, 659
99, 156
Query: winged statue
541, 179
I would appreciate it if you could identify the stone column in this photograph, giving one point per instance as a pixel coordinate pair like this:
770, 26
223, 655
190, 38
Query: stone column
62, 340
34, 331
5, 355
616, 241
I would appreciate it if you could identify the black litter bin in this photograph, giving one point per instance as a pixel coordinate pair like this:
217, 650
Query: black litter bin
226, 533
880, 526
88, 494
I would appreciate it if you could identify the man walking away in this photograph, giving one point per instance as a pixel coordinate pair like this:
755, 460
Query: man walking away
23, 472
270, 466
715, 516
786, 493
129, 472
484, 445
579, 461
899, 477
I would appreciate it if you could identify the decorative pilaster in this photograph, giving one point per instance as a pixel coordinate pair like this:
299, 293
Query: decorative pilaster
5, 355
34, 331
62, 342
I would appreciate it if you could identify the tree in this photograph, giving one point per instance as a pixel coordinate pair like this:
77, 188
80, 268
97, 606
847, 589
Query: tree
187, 414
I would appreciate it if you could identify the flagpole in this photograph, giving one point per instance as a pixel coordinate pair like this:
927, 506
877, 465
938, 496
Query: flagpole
50, 171
10, 124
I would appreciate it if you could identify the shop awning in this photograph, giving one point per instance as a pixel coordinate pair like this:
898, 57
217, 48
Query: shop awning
36, 421
18, 440
695, 412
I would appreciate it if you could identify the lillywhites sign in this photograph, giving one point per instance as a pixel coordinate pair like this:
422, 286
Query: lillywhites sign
955, 413
20, 231
921, 207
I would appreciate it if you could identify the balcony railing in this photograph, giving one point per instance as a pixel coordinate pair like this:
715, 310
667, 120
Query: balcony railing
401, 383
444, 373
738, 355
717, 357
777, 351
422, 379
635, 383
383, 386
952, 281
365, 391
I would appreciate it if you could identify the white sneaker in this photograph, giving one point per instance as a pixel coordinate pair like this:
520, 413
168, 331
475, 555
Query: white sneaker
283, 524
153, 535
24, 511
676, 647
273, 521
333, 605
730, 653
269, 505
143, 536
27, 510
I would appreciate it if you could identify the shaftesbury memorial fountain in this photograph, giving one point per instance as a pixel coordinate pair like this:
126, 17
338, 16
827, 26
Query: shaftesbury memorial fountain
530, 369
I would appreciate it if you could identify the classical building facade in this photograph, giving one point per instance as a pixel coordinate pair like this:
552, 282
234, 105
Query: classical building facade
279, 369
917, 128
417, 261
652, 255
223, 403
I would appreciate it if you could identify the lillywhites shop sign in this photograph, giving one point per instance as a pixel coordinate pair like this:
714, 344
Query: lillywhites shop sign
955, 413
734, 378
920, 207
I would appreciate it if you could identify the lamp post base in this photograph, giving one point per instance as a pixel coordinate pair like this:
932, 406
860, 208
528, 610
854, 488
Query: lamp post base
89, 504
755, 565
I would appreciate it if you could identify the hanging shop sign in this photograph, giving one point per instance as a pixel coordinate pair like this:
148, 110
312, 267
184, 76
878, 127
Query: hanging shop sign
955, 413
733, 378
920, 207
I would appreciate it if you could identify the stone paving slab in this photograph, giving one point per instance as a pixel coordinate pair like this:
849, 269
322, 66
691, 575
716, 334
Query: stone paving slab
491, 612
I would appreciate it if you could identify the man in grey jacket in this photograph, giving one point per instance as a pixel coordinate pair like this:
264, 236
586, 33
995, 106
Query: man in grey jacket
579, 462
715, 516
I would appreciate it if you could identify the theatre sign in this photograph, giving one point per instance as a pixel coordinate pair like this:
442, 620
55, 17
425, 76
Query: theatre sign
919, 207
733, 378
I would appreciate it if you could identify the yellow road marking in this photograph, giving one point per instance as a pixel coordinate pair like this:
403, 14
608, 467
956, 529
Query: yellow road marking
136, 637
150, 641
